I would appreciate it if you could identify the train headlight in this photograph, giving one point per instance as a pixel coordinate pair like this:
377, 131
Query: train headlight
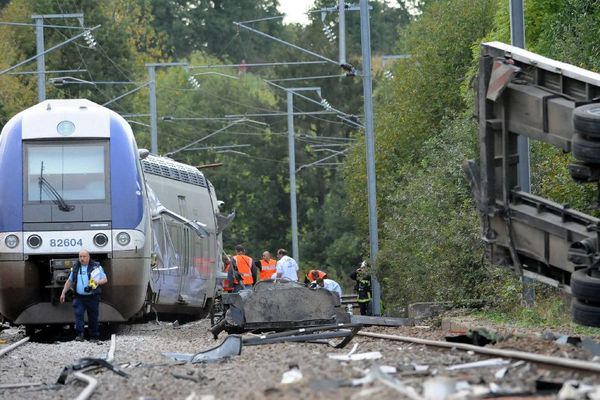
11, 241
65, 128
100, 239
34, 241
123, 238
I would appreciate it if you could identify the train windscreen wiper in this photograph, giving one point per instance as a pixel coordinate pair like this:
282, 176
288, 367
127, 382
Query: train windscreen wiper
53, 193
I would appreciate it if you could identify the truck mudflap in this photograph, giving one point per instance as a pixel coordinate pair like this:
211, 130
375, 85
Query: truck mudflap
276, 304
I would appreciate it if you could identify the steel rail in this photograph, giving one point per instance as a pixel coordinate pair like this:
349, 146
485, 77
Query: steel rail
522, 355
14, 346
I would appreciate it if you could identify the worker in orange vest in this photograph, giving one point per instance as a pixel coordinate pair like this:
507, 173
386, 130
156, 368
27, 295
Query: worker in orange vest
245, 266
232, 275
268, 266
314, 275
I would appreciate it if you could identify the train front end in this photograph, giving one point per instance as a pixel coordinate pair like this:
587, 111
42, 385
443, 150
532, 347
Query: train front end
70, 179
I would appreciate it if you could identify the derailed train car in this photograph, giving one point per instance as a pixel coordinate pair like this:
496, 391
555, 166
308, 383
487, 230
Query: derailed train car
71, 177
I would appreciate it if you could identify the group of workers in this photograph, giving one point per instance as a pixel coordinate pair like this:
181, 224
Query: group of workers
243, 272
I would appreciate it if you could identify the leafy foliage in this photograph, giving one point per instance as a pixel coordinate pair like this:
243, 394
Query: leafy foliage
429, 233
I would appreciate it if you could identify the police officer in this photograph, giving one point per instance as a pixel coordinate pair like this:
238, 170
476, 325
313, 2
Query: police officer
86, 277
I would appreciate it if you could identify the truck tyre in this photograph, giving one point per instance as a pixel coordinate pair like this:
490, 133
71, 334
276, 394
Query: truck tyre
586, 120
585, 287
585, 314
586, 150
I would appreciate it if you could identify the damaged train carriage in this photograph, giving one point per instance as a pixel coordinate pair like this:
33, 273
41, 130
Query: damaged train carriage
186, 252
71, 178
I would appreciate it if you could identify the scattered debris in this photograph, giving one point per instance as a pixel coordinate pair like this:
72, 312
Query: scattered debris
289, 305
491, 362
420, 368
479, 337
185, 377
20, 385
501, 373
390, 381
231, 346
591, 346
381, 321
292, 376
547, 387
350, 356
566, 339
573, 390
346, 331
387, 369
89, 389
439, 388
84, 363
13, 346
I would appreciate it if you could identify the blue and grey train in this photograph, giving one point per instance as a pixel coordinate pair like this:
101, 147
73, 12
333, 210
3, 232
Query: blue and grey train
72, 177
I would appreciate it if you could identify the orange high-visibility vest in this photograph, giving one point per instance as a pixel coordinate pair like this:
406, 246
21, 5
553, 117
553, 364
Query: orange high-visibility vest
227, 287
315, 274
244, 264
267, 269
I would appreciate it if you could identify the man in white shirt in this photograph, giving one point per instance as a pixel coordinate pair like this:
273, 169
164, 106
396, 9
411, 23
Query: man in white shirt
287, 268
328, 284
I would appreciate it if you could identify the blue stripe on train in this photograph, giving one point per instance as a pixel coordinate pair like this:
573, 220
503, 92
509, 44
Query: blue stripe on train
11, 179
126, 182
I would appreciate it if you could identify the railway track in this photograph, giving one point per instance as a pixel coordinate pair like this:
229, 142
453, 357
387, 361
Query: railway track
381, 362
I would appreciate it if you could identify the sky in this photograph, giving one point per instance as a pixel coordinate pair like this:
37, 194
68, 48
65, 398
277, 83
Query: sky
295, 10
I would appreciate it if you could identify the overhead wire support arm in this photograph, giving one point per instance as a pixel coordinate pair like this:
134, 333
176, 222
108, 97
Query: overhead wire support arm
267, 64
340, 114
263, 19
282, 114
303, 78
171, 153
44, 26
312, 53
49, 50
126, 94
337, 153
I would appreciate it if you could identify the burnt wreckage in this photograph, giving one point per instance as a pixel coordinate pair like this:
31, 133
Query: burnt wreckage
278, 304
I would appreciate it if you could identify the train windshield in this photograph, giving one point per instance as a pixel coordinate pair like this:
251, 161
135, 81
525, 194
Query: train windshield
66, 171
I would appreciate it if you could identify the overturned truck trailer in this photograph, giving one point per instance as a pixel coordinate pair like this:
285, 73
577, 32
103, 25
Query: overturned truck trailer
524, 94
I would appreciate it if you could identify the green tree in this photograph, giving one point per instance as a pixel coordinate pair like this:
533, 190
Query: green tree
208, 26
124, 41
423, 199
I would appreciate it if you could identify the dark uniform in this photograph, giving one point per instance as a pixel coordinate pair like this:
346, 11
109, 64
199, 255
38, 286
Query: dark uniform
363, 289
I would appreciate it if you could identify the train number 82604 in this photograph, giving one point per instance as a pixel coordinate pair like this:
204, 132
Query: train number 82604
66, 242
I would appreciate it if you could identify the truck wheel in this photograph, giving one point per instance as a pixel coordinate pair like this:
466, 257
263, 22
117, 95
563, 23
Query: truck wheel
585, 314
586, 150
585, 287
586, 120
